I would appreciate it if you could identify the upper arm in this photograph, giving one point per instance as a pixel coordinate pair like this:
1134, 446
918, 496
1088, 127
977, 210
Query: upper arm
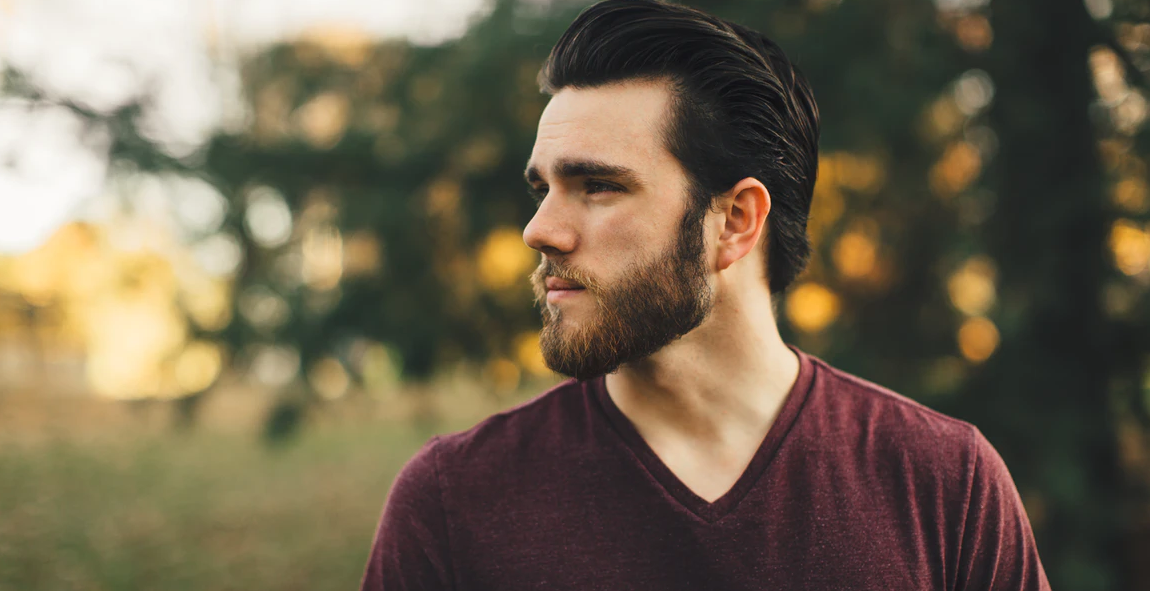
410, 549
998, 551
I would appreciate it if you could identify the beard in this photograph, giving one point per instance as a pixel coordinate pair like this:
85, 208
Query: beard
653, 305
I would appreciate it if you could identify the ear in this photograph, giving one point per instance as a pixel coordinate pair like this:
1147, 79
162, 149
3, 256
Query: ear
744, 210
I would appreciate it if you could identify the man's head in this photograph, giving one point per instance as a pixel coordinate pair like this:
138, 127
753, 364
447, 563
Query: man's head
669, 137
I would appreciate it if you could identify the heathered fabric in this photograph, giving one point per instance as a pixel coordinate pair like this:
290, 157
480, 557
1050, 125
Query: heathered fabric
854, 487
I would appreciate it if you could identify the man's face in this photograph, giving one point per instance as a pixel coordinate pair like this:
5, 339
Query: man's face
624, 271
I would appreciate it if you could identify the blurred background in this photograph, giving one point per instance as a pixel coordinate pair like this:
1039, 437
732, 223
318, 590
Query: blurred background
253, 253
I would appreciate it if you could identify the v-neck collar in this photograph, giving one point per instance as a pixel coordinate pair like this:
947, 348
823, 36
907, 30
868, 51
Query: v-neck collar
710, 512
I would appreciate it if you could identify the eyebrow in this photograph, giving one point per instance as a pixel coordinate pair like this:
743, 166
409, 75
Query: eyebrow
569, 169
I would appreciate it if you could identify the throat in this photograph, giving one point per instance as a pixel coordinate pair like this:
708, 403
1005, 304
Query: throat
710, 476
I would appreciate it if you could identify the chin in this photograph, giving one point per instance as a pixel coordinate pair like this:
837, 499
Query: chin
568, 313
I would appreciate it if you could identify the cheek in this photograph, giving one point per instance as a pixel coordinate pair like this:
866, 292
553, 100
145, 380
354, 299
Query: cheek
625, 236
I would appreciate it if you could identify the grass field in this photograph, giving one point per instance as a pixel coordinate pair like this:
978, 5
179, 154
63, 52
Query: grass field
120, 501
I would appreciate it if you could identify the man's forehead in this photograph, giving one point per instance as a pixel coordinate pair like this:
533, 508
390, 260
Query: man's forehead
634, 105
617, 124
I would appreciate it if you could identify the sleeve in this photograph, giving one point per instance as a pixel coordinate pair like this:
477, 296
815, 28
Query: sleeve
410, 549
998, 551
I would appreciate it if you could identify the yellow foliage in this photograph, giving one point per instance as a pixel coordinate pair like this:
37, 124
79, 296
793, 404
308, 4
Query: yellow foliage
855, 254
529, 355
480, 153
827, 203
362, 254
128, 340
862, 173
123, 303
977, 339
208, 303
943, 119
971, 287
329, 378
1109, 80
272, 106
1132, 195
1130, 245
323, 119
53, 270
838, 171
973, 32
443, 197
1113, 152
958, 167
504, 261
347, 46
502, 374
322, 251
812, 307
198, 366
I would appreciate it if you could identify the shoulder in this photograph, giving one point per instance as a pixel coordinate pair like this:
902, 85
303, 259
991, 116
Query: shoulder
889, 440
885, 435
542, 429
504, 450
849, 402
926, 469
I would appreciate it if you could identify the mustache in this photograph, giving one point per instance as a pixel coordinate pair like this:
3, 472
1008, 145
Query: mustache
550, 268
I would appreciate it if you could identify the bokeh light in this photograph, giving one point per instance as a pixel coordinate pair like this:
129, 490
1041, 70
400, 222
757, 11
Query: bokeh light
971, 287
977, 339
811, 307
504, 261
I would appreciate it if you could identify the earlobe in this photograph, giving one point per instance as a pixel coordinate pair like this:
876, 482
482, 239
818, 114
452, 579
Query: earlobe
745, 209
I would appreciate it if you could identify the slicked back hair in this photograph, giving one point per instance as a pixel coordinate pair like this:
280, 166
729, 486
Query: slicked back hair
740, 109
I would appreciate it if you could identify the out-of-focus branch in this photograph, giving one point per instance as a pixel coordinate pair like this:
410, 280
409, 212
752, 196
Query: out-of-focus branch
122, 123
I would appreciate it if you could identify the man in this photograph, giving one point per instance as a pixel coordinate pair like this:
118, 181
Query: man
693, 449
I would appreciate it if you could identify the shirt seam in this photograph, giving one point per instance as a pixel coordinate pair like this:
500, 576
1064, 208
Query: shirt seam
972, 453
621, 440
890, 395
754, 483
706, 514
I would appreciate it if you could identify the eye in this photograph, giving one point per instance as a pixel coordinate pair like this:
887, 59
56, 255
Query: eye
593, 186
537, 193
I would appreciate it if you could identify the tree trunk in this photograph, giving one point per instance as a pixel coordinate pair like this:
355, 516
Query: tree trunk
1048, 235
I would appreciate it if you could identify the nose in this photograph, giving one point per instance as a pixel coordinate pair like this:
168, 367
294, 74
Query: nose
551, 230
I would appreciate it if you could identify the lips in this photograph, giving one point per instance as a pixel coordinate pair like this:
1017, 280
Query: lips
556, 284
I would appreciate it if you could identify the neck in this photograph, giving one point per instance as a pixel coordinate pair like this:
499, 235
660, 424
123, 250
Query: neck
721, 384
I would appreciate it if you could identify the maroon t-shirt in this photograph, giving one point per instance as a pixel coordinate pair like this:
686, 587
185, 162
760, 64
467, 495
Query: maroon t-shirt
854, 487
